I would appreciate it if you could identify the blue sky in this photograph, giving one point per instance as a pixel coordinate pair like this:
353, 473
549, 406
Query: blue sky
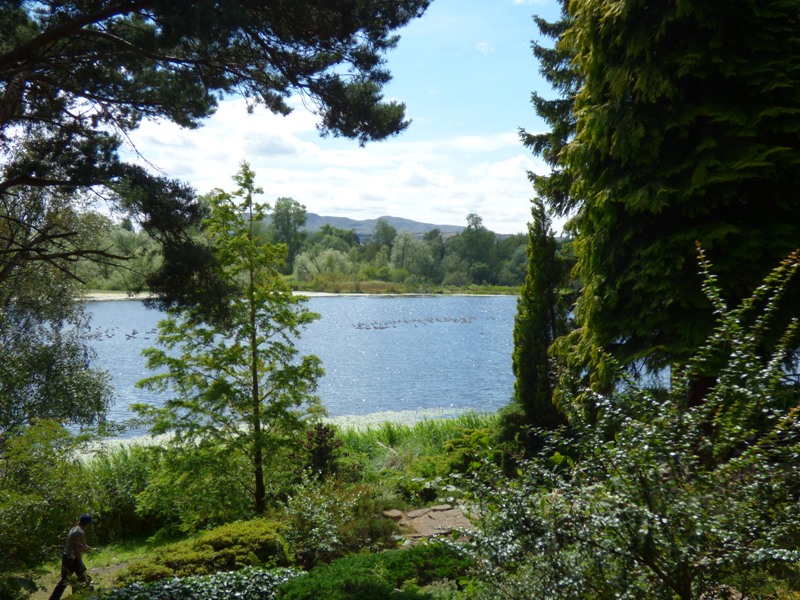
465, 71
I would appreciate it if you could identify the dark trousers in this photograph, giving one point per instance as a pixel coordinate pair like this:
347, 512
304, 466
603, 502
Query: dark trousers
69, 565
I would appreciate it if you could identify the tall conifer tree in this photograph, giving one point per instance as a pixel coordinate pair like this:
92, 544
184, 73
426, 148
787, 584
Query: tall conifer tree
677, 122
240, 387
540, 319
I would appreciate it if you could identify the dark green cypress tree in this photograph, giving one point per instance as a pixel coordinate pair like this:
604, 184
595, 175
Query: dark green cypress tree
540, 319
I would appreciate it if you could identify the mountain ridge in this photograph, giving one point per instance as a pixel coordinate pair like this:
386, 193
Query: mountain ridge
364, 228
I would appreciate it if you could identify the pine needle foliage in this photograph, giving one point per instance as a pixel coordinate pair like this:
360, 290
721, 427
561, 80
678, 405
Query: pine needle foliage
541, 318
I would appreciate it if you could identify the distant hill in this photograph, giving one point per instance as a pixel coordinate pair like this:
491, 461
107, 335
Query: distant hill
365, 228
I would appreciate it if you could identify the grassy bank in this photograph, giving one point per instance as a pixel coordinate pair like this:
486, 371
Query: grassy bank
389, 287
389, 460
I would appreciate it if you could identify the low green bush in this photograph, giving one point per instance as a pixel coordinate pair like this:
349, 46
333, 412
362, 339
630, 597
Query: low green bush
225, 548
195, 487
324, 521
247, 584
372, 576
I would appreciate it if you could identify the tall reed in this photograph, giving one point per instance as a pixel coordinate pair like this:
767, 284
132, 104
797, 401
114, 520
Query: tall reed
383, 443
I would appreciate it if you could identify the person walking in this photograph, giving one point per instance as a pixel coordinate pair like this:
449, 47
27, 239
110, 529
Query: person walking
72, 556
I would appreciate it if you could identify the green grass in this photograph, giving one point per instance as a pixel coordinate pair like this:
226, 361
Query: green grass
104, 562
122, 552
337, 286
426, 436
396, 445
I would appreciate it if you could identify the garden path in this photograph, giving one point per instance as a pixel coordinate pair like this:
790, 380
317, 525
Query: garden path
424, 523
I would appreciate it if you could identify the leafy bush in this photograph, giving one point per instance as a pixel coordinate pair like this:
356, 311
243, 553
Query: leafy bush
41, 493
16, 588
651, 498
247, 584
324, 521
372, 576
195, 487
225, 548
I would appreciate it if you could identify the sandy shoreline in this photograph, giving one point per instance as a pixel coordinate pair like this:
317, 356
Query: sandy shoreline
108, 296
102, 296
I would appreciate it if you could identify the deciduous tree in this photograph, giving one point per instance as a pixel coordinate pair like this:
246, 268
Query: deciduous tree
77, 77
288, 219
240, 385
384, 235
475, 246
46, 369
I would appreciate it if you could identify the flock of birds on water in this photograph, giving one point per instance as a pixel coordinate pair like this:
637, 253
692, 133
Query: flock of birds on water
415, 322
112, 332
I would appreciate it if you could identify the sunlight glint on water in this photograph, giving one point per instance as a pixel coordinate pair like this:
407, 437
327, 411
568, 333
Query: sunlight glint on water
428, 355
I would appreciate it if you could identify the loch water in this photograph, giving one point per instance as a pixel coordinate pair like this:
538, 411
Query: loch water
429, 354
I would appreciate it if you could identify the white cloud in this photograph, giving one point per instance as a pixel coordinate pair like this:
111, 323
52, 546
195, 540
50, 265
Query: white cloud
413, 174
436, 181
512, 168
484, 47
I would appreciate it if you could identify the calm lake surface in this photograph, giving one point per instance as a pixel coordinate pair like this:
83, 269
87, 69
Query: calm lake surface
380, 353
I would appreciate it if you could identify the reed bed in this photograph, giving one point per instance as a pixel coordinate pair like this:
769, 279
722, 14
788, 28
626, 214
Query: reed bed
396, 443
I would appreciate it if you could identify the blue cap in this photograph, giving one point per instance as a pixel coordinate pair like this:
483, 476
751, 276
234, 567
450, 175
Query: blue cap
85, 520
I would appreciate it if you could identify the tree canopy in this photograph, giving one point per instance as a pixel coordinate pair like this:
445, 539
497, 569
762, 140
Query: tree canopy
77, 77
676, 122
46, 369
286, 226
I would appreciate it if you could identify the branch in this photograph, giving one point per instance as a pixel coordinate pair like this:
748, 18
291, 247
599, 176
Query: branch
48, 37
40, 182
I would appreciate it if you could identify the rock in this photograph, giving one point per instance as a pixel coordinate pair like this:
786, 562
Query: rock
430, 522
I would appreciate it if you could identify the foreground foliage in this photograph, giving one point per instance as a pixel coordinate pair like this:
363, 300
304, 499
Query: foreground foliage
383, 575
247, 584
225, 548
323, 520
646, 497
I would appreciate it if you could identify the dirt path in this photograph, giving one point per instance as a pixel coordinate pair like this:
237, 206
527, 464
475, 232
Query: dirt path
103, 576
424, 523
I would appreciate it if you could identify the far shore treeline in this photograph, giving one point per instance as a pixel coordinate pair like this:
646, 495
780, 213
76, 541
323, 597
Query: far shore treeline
418, 258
